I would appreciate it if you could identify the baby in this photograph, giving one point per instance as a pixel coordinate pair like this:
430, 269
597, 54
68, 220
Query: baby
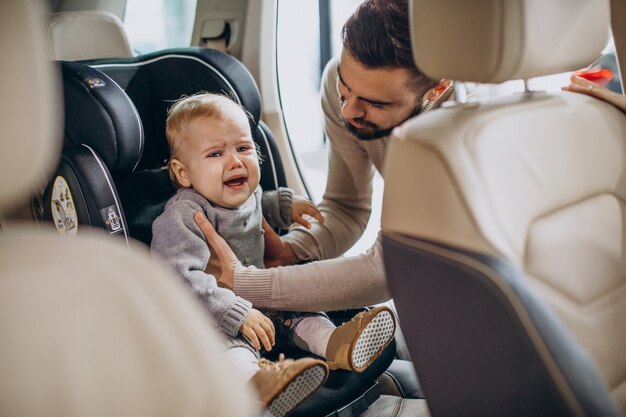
215, 162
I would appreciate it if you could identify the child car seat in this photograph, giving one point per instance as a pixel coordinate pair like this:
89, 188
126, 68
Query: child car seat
133, 169
153, 82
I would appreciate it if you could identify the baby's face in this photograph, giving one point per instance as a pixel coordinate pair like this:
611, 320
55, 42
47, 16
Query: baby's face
220, 158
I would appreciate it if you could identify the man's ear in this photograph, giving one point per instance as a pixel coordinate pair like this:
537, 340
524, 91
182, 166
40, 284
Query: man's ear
179, 170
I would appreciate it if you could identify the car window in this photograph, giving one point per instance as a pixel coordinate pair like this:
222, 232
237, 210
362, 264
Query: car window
152, 25
299, 64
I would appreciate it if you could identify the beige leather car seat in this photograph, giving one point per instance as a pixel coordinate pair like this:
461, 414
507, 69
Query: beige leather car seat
89, 34
504, 220
88, 328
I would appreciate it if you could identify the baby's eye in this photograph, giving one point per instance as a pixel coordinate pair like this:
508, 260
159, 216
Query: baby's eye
244, 148
213, 154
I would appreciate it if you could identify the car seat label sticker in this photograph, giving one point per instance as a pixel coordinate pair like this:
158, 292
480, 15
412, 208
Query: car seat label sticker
112, 220
95, 83
63, 208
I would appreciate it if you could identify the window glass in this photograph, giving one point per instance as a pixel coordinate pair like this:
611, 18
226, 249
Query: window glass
298, 60
152, 25
299, 76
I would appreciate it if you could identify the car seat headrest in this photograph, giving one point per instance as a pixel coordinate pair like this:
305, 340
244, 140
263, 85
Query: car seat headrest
492, 41
89, 34
31, 135
99, 114
154, 81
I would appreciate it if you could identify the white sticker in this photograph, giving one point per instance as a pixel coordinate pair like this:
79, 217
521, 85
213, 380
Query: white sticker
112, 219
63, 208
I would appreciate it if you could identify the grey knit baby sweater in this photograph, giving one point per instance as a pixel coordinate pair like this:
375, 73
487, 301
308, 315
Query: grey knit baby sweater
181, 244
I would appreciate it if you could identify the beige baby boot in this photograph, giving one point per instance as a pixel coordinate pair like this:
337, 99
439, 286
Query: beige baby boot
356, 344
284, 384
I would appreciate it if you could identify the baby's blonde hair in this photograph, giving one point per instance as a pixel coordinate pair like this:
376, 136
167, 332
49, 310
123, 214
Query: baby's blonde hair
186, 110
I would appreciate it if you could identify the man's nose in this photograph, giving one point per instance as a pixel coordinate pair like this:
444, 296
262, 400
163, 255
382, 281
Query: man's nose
352, 108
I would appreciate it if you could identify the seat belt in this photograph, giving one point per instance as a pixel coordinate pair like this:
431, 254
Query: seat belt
618, 26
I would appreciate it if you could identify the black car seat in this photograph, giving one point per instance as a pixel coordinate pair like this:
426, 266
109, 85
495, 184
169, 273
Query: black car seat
504, 219
154, 82
105, 153
103, 141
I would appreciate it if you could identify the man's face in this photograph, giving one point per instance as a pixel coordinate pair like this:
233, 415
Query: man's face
218, 158
374, 101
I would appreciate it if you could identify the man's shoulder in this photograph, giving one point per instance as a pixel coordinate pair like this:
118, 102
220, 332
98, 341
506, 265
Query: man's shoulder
329, 77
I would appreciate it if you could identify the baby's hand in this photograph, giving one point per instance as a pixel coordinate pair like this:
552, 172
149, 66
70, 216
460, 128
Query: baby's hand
301, 206
257, 326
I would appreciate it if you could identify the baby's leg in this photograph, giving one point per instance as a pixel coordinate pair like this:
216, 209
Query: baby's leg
244, 357
280, 386
353, 345
312, 333
356, 344
284, 384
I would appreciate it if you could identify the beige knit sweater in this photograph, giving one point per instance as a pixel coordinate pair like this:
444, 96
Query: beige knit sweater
333, 283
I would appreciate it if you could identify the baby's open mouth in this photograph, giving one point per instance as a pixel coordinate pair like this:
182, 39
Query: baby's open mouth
234, 182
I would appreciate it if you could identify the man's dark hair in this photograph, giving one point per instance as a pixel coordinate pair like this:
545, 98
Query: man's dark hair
377, 35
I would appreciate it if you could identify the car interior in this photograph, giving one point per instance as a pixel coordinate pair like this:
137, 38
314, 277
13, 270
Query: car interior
120, 172
503, 219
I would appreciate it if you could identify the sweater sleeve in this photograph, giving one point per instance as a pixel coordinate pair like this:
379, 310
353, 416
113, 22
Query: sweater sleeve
276, 205
346, 204
179, 242
334, 284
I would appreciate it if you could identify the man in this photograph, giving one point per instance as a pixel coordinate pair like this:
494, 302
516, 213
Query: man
371, 89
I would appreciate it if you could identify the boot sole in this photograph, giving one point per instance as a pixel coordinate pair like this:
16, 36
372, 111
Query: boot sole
374, 338
299, 389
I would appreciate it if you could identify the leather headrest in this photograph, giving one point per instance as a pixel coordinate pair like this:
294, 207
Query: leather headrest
491, 41
89, 34
99, 114
154, 81
29, 108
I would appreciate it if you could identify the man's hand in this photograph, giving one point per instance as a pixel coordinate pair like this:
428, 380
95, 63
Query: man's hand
257, 326
218, 245
277, 252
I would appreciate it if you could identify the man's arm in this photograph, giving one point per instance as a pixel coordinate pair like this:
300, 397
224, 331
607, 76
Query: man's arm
334, 284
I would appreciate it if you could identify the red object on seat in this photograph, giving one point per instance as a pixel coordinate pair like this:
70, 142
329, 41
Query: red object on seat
597, 75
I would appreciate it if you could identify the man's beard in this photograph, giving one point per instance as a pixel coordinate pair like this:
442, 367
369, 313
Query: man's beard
374, 132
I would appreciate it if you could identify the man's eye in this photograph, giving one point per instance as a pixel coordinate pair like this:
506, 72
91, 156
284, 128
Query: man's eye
377, 106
